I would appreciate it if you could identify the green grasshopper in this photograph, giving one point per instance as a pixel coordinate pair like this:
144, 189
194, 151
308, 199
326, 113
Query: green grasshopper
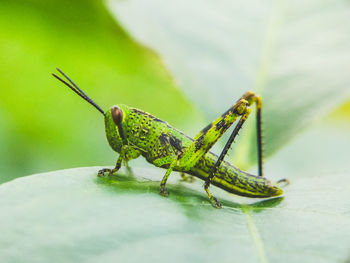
132, 132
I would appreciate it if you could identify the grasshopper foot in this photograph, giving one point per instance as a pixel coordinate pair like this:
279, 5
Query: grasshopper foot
215, 202
101, 173
164, 191
187, 178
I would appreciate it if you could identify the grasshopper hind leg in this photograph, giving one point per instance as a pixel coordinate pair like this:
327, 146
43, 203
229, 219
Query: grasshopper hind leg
249, 97
239, 125
210, 135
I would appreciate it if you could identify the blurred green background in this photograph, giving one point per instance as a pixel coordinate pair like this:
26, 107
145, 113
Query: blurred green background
43, 125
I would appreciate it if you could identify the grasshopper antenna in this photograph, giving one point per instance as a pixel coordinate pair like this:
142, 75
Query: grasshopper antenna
77, 90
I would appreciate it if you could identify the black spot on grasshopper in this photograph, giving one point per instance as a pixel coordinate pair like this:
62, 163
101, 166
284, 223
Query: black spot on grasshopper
199, 143
220, 124
231, 110
166, 139
144, 131
206, 129
163, 138
176, 143
226, 112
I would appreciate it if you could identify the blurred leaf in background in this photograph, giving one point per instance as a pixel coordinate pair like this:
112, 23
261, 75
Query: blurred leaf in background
44, 126
295, 54
342, 114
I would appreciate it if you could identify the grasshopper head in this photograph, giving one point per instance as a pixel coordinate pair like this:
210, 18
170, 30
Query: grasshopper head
115, 128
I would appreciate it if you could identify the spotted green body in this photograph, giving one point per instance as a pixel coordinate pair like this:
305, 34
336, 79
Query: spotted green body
159, 142
132, 132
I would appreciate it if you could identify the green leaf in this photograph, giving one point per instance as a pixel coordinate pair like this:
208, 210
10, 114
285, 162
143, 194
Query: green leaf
295, 54
74, 216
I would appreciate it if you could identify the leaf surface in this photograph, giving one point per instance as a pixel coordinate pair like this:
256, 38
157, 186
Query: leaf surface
73, 216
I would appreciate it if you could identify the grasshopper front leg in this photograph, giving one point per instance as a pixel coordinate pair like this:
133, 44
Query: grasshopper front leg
111, 171
127, 153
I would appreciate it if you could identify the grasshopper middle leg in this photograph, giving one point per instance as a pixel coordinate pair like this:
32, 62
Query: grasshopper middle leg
171, 160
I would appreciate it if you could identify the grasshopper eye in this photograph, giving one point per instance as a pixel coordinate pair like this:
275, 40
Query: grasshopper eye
117, 115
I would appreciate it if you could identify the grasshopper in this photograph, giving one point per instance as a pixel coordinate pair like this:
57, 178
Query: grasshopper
132, 132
